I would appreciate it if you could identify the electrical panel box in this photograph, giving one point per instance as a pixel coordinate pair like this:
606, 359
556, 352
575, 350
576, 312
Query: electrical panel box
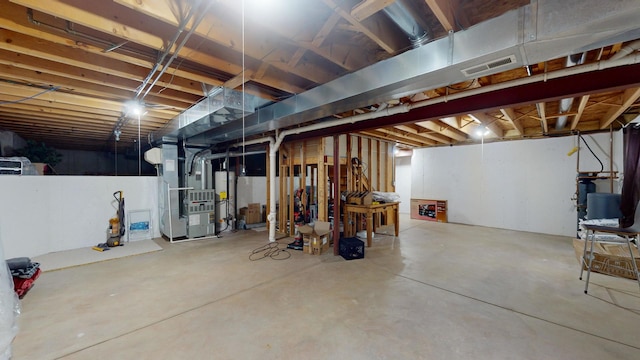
201, 213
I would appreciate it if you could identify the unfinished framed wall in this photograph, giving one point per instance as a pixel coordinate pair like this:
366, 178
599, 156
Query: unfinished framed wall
366, 164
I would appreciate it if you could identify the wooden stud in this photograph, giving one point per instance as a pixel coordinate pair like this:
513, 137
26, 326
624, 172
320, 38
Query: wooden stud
322, 183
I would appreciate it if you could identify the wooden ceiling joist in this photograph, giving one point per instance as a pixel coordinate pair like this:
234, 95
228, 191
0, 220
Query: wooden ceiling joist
443, 129
444, 11
510, 115
628, 97
438, 138
581, 106
386, 40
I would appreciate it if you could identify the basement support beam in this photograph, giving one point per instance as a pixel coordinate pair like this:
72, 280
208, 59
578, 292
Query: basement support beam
610, 79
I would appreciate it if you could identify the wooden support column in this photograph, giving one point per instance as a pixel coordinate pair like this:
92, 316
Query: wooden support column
349, 166
369, 161
378, 166
303, 179
390, 170
292, 227
336, 197
282, 211
322, 183
360, 174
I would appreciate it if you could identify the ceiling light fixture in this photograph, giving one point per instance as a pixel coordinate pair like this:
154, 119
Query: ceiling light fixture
482, 131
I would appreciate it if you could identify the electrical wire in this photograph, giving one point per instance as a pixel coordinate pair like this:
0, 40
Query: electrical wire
30, 97
592, 153
269, 250
244, 164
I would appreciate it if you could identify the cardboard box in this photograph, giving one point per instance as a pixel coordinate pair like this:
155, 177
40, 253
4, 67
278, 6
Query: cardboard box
252, 213
360, 198
609, 259
316, 239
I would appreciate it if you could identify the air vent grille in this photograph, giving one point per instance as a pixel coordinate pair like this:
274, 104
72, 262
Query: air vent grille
491, 65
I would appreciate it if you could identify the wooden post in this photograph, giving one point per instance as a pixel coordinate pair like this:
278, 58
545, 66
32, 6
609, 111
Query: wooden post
360, 174
349, 166
336, 196
378, 166
322, 183
303, 180
282, 211
369, 161
291, 193
389, 165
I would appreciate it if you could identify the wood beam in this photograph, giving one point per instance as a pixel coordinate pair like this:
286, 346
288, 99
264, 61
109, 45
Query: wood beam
104, 24
14, 18
390, 137
543, 117
510, 115
56, 99
372, 30
326, 29
629, 97
94, 21
261, 46
322, 183
367, 8
442, 129
581, 106
72, 85
19, 43
444, 12
408, 136
431, 136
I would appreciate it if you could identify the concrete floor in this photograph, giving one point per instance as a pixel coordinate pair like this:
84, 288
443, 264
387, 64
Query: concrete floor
438, 291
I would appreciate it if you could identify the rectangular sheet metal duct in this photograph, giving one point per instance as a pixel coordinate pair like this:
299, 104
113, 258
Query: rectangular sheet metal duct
540, 31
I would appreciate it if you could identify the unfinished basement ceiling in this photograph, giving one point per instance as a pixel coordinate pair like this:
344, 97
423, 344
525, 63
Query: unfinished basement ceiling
68, 68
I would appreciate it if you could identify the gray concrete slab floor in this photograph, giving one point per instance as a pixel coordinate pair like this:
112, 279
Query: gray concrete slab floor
437, 291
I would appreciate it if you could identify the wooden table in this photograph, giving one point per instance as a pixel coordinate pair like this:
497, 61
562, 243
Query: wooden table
351, 212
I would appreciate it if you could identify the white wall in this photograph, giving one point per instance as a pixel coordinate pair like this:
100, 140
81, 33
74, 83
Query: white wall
522, 185
43, 214
252, 189
403, 183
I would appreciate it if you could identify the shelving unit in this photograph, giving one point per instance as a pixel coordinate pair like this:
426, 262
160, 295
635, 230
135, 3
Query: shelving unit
584, 177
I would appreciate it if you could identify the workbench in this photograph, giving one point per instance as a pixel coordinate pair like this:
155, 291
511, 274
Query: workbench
374, 215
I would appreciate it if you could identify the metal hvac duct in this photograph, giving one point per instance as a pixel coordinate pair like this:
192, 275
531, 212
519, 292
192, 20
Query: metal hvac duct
565, 104
400, 14
537, 32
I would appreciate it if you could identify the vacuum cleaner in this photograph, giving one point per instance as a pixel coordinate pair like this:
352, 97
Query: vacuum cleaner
116, 224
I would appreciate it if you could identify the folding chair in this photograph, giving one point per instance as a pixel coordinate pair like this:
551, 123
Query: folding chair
627, 233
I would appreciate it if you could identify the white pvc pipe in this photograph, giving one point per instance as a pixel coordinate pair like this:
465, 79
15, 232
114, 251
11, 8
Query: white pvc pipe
631, 47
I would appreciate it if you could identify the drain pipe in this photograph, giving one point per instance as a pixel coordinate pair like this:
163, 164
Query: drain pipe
631, 47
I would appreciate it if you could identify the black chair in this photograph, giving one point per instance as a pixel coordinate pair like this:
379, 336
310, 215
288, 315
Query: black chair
628, 233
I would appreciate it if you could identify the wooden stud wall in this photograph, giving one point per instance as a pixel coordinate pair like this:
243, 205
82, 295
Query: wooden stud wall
311, 156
